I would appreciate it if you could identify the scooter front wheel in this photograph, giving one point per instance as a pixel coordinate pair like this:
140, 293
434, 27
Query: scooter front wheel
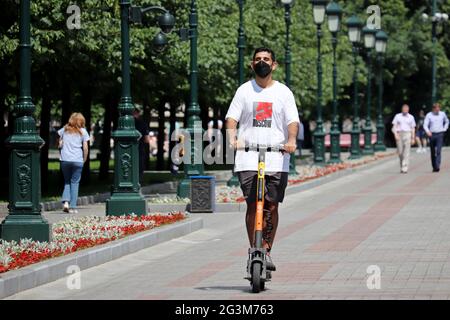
257, 285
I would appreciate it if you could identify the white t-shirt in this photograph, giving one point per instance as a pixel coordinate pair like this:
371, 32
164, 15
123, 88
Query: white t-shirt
263, 115
404, 122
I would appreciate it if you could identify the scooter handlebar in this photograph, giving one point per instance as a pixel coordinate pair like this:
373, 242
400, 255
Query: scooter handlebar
258, 147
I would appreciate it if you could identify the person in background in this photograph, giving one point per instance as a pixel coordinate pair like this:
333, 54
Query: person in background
73, 145
403, 127
435, 125
210, 130
153, 144
144, 130
220, 145
347, 125
421, 136
300, 138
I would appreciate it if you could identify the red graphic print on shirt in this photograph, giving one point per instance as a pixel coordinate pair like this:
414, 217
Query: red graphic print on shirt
262, 114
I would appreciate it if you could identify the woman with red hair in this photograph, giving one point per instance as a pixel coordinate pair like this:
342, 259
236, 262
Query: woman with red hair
73, 143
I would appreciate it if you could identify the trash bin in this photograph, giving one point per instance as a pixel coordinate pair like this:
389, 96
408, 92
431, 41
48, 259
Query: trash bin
203, 194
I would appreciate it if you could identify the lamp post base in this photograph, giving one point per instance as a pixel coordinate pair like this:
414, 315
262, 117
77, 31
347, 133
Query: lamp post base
292, 165
368, 147
17, 227
184, 188
355, 151
379, 147
319, 148
234, 181
335, 149
125, 204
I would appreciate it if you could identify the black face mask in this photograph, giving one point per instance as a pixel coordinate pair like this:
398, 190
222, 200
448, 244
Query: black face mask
262, 69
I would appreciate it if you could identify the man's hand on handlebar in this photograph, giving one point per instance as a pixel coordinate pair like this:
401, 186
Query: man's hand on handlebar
290, 147
236, 144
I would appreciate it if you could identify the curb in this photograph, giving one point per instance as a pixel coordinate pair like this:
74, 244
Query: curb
37, 274
220, 207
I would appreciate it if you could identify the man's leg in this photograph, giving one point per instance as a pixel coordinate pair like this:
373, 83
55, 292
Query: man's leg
407, 150
439, 142
433, 151
270, 223
400, 150
248, 181
250, 222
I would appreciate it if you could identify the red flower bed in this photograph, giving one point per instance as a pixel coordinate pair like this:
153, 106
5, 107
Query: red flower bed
69, 239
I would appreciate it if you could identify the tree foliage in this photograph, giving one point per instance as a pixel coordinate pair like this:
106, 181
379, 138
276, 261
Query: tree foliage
90, 57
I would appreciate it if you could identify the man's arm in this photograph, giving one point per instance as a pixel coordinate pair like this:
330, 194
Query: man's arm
231, 126
394, 128
291, 145
445, 122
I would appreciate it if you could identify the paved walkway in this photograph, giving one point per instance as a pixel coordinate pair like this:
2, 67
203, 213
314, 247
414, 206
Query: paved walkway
327, 239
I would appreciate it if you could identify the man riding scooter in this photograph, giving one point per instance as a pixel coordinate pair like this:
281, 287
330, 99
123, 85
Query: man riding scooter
267, 114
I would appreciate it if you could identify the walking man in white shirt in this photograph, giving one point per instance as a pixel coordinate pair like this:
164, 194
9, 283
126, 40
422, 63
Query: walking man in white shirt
403, 127
435, 125
267, 114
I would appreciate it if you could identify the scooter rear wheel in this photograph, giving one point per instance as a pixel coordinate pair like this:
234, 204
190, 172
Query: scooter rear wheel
256, 278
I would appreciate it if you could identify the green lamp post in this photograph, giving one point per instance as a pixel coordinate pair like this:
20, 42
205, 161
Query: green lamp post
354, 25
24, 219
334, 13
319, 8
241, 42
369, 44
234, 181
126, 196
288, 4
381, 39
436, 18
195, 167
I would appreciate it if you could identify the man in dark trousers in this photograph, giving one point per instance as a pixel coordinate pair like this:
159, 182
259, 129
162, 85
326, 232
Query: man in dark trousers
144, 130
436, 124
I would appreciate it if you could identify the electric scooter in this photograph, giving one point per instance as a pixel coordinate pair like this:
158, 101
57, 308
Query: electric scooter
257, 272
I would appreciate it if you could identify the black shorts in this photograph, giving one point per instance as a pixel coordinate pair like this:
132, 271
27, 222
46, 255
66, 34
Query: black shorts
276, 184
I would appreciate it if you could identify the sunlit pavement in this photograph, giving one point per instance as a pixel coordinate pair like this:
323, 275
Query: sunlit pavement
375, 234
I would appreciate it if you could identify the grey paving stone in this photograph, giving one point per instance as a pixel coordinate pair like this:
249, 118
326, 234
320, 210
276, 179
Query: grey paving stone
405, 244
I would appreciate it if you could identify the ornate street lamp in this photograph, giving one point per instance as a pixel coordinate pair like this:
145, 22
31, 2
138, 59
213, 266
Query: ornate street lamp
24, 219
436, 18
319, 8
288, 4
193, 109
126, 196
355, 25
234, 181
369, 44
381, 39
334, 13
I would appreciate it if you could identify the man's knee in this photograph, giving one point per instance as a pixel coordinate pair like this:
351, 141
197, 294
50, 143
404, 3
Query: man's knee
272, 206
